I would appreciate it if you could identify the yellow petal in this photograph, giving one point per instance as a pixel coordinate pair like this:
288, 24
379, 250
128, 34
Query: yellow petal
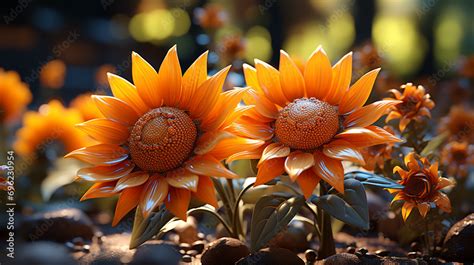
269, 81
292, 81
358, 93
406, 210
341, 79
105, 131
169, 78
116, 109
127, 92
145, 79
318, 74
369, 114
192, 79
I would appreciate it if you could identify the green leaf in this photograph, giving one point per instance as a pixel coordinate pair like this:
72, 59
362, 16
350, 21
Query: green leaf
271, 215
372, 179
433, 144
352, 208
145, 229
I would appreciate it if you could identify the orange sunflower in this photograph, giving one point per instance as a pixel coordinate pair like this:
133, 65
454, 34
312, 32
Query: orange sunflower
422, 186
53, 123
52, 74
415, 105
86, 106
14, 96
162, 138
457, 157
311, 120
458, 124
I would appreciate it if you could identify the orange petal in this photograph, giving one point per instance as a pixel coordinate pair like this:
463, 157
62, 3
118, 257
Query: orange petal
308, 182
269, 170
434, 169
131, 180
100, 190
154, 193
443, 183
318, 74
411, 162
443, 202
358, 93
106, 173
343, 150
330, 170
105, 131
341, 79
406, 210
183, 179
238, 112
369, 136
274, 150
423, 208
248, 154
101, 154
403, 174
252, 129
269, 81
192, 79
369, 114
392, 115
206, 192
127, 92
251, 80
230, 146
209, 166
297, 162
398, 197
403, 123
128, 200
116, 109
292, 81
264, 106
169, 78
145, 79
209, 140
177, 202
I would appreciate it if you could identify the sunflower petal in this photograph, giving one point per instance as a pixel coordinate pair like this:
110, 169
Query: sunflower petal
206, 192
297, 162
248, 154
369, 136
183, 179
100, 190
230, 146
169, 78
192, 79
209, 140
411, 162
131, 180
274, 150
406, 210
264, 106
251, 80
369, 114
318, 74
128, 200
423, 208
330, 170
343, 150
105, 131
106, 173
443, 183
253, 129
291, 79
145, 79
177, 202
269, 81
341, 79
358, 93
209, 166
308, 180
124, 90
154, 193
101, 154
116, 109
269, 170
443, 202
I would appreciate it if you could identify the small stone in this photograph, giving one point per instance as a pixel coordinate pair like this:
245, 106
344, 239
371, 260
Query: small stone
271, 256
342, 259
192, 252
187, 258
185, 246
311, 255
182, 251
198, 246
224, 251
294, 237
362, 251
413, 254
201, 235
86, 248
382, 252
162, 253
458, 244
351, 250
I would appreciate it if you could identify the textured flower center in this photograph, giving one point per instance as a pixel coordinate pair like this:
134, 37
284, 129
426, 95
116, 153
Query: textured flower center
306, 123
418, 186
162, 139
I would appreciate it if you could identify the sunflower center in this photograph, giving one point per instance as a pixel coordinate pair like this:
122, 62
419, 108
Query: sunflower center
306, 123
418, 186
162, 139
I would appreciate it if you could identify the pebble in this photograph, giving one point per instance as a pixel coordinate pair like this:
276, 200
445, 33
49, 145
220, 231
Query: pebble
198, 246
351, 250
413, 254
224, 250
185, 246
187, 258
311, 255
382, 252
271, 256
458, 244
192, 252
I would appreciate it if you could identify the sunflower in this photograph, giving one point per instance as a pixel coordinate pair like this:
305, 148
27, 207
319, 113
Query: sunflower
14, 96
212, 16
86, 106
458, 124
311, 120
375, 156
52, 74
53, 123
422, 186
162, 138
415, 105
457, 157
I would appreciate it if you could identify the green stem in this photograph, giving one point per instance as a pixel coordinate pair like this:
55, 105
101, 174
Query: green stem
236, 222
216, 215
327, 246
316, 218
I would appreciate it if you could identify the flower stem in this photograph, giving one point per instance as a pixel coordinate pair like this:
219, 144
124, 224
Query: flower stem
327, 246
